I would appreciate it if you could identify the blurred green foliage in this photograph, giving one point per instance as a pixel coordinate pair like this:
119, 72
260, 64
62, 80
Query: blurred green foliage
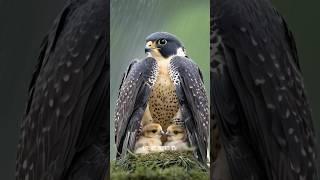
132, 21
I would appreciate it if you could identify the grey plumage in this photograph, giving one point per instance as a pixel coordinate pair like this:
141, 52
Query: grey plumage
258, 94
64, 132
193, 103
132, 101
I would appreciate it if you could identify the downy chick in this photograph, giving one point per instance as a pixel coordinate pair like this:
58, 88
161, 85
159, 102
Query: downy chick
176, 139
150, 140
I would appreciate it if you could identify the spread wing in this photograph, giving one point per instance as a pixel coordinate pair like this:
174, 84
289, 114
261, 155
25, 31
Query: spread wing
65, 128
132, 101
258, 94
193, 103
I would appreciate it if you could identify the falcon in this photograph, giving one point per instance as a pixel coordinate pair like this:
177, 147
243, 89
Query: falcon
258, 95
65, 129
167, 88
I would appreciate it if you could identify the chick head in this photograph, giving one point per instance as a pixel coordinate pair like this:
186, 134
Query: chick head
175, 133
152, 130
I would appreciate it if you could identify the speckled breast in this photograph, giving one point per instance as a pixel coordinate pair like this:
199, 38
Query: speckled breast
163, 101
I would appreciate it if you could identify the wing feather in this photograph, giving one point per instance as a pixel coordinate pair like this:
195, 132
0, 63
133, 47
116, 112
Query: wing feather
65, 114
132, 101
261, 60
193, 100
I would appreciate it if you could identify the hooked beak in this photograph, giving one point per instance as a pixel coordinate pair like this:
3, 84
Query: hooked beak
150, 45
146, 50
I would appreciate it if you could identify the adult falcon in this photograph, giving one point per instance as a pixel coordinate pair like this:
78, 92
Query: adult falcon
166, 88
258, 95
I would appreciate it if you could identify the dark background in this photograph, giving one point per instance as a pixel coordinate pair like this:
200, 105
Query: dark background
23, 24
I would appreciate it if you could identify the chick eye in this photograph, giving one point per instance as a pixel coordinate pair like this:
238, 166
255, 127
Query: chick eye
162, 42
175, 132
154, 131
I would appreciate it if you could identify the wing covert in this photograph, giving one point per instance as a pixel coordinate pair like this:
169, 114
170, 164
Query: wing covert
262, 65
59, 126
132, 101
187, 78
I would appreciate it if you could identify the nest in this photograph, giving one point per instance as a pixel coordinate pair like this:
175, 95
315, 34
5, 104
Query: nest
159, 166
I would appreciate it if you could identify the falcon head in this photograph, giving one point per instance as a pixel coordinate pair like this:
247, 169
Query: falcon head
152, 130
162, 45
175, 133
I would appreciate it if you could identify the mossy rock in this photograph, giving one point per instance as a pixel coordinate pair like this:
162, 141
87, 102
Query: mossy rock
169, 165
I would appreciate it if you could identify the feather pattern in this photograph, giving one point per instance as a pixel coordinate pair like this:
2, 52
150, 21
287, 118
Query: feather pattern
65, 128
132, 101
190, 90
258, 96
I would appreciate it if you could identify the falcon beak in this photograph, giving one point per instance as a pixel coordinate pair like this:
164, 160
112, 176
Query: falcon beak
150, 45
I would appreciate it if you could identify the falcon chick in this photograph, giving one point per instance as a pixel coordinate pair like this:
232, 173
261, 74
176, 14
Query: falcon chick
176, 138
150, 139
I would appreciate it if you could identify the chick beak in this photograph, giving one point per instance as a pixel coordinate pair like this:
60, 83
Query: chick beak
162, 132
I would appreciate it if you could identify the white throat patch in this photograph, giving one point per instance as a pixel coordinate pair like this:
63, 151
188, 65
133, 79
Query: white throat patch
180, 52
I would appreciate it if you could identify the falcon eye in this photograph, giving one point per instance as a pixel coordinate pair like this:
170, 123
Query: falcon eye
162, 42
175, 132
154, 131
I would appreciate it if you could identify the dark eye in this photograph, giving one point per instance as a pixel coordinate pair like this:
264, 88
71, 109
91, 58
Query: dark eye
175, 132
162, 41
154, 131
